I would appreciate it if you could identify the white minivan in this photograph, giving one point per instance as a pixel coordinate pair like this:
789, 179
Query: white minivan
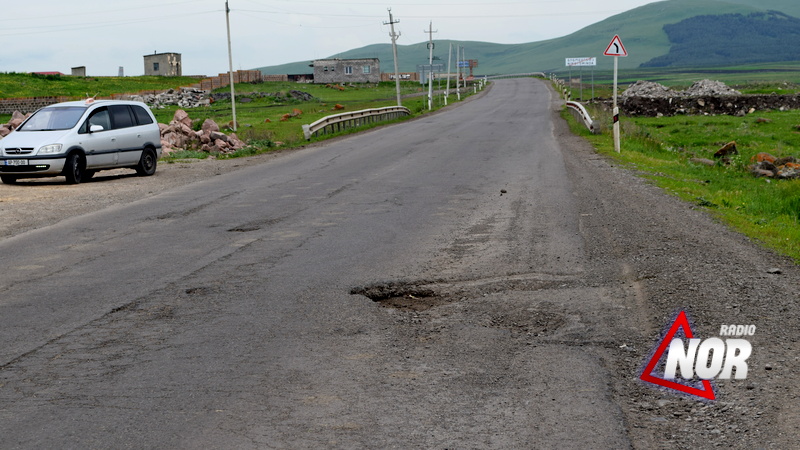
76, 139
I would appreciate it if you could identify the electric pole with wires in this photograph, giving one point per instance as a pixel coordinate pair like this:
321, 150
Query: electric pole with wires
430, 65
230, 64
394, 52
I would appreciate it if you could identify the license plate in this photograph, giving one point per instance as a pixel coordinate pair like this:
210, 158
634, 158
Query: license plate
16, 162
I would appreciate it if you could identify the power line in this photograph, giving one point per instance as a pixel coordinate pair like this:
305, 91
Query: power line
23, 31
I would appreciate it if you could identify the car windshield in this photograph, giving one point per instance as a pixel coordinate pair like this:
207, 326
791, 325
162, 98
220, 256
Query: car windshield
55, 118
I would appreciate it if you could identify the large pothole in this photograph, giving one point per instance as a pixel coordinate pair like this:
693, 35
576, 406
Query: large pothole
421, 295
410, 296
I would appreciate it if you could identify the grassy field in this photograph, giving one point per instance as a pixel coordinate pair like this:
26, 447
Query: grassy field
660, 149
23, 85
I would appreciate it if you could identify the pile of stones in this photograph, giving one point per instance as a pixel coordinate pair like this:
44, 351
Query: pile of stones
16, 120
184, 97
180, 135
703, 88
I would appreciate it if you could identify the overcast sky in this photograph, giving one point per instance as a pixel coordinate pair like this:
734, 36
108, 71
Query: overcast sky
56, 35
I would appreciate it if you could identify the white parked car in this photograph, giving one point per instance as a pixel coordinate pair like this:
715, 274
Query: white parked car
76, 139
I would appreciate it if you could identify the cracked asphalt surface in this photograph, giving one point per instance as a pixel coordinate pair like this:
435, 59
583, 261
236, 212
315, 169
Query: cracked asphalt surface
475, 278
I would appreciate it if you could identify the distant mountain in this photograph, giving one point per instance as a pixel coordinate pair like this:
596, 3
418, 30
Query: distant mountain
641, 29
731, 39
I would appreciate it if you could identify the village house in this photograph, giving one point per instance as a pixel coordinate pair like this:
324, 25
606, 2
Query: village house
328, 71
164, 64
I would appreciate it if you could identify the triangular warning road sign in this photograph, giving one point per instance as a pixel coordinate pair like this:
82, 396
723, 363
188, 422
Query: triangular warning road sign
647, 375
615, 48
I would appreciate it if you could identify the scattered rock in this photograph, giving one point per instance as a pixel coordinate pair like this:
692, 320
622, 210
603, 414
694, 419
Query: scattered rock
703, 161
774, 271
728, 150
789, 171
761, 157
767, 165
759, 172
209, 126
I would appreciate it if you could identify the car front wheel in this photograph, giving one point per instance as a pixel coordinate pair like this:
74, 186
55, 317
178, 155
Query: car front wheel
8, 179
147, 163
74, 168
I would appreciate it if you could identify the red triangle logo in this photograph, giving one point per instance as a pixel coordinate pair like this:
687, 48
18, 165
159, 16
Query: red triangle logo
681, 322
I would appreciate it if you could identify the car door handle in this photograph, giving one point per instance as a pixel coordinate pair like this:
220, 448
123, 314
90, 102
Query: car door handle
113, 139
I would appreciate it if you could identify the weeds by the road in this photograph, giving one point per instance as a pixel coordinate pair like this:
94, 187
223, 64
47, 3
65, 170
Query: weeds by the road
767, 210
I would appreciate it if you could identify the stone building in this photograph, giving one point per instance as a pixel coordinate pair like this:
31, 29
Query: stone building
366, 70
165, 64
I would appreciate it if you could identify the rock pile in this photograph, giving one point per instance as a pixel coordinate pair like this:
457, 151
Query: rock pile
180, 135
767, 165
709, 88
648, 89
702, 88
184, 98
16, 120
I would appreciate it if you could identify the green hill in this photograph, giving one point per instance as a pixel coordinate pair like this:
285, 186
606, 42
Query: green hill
641, 30
731, 39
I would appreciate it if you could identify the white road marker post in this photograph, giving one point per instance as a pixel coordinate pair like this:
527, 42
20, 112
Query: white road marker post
616, 49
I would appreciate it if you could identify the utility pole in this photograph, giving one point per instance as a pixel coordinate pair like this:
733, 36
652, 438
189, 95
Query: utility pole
230, 63
449, 60
394, 52
430, 65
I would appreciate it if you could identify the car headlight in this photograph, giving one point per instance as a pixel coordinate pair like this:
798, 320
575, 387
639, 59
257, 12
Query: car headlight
50, 149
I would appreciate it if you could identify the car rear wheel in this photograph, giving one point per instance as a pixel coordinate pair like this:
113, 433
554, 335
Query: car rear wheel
8, 179
147, 163
74, 168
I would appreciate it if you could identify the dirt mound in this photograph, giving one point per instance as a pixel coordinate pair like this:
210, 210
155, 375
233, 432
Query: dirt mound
702, 88
648, 89
709, 87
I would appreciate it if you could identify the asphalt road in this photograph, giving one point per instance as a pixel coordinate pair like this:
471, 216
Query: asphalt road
523, 282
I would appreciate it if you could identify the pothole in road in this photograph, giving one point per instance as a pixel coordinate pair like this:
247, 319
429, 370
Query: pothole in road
421, 295
403, 296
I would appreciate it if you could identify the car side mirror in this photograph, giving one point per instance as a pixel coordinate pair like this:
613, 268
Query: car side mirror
96, 128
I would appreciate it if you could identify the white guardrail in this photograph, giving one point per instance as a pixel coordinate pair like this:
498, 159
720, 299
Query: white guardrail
580, 113
578, 110
339, 122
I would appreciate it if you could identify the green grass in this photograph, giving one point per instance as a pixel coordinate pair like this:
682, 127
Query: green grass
660, 149
23, 85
